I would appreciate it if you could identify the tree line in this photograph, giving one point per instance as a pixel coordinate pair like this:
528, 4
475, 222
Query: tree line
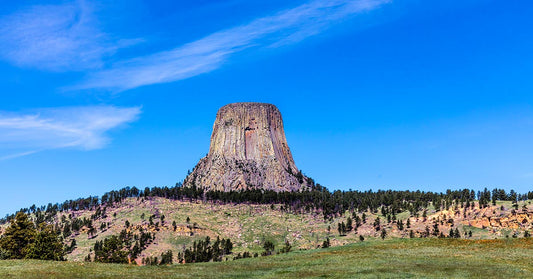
317, 198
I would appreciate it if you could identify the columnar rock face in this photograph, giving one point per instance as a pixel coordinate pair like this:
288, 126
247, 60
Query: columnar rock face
248, 151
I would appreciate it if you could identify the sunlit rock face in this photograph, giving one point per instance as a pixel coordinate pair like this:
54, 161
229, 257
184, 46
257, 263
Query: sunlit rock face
248, 151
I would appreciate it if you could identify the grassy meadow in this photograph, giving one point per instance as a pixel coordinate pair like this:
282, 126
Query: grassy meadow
391, 258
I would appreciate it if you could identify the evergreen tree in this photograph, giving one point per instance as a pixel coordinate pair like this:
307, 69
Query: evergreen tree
91, 232
357, 221
110, 250
166, 258
66, 230
377, 224
269, 248
341, 227
18, 236
436, 229
203, 251
383, 233
326, 243
47, 245
228, 246
400, 225
426, 232
349, 225
72, 246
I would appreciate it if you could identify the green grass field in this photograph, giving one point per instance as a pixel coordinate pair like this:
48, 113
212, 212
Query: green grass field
396, 258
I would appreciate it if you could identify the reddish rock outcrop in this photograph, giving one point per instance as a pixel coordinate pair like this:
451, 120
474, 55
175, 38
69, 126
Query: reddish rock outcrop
248, 150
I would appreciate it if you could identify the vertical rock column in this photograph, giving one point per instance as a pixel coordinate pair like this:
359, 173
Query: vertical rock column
248, 150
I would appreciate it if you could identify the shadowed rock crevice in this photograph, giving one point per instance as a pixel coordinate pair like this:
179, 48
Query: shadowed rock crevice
248, 150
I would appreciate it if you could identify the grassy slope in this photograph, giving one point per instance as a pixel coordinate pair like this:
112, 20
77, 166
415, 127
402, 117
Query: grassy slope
249, 225
448, 258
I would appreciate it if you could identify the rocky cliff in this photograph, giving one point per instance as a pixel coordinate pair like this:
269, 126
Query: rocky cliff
248, 151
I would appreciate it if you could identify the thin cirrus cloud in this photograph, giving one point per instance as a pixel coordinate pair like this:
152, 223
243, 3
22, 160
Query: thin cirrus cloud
209, 53
72, 127
56, 38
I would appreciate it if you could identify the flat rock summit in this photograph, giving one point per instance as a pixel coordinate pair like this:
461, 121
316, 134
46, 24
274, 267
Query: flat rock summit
248, 150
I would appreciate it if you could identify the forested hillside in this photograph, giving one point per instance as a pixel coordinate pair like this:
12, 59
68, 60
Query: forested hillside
185, 224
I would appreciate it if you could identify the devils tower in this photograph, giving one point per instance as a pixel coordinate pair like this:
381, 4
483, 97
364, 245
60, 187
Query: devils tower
248, 150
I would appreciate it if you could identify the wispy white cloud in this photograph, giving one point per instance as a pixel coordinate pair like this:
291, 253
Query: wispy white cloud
16, 155
55, 37
209, 53
75, 127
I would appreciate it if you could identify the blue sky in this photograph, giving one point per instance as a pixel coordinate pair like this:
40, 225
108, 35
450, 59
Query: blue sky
375, 94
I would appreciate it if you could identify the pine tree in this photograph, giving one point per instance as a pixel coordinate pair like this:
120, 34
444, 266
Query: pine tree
18, 236
426, 233
110, 251
436, 229
72, 245
47, 245
326, 243
357, 221
383, 233
166, 258
91, 232
66, 230
269, 248
349, 225
228, 246
377, 224
343, 227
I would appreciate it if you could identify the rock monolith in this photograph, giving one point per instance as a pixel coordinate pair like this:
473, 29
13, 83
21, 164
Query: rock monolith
248, 150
